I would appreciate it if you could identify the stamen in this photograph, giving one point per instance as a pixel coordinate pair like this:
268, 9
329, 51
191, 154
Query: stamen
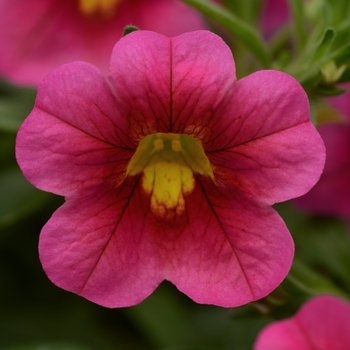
176, 145
167, 163
158, 144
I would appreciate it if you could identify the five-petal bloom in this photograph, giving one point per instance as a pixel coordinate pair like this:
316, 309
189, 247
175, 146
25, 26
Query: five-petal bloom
169, 167
39, 35
322, 323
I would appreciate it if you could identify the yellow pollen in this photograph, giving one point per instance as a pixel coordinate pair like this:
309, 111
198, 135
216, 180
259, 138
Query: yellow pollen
167, 183
104, 7
167, 163
158, 144
176, 145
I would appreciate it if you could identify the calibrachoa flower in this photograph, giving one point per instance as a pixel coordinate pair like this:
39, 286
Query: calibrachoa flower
331, 195
169, 167
322, 323
39, 35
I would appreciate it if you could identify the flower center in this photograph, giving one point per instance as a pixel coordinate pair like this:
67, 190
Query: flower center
104, 7
168, 162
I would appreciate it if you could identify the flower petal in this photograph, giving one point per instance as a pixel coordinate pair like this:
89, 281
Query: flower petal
140, 76
203, 76
326, 319
232, 251
287, 337
110, 248
322, 323
74, 137
95, 246
268, 147
181, 81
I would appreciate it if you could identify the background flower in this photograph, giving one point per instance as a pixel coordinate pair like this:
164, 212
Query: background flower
331, 195
322, 323
274, 14
39, 35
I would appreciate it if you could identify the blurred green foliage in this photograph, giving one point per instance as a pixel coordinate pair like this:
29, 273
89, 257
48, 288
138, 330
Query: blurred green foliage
317, 33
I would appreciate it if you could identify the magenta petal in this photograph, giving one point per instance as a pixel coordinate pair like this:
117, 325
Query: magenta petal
232, 251
95, 246
203, 77
111, 249
181, 81
269, 148
79, 95
74, 138
322, 323
288, 337
146, 60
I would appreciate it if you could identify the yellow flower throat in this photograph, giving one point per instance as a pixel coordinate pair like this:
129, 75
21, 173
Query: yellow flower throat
168, 162
104, 7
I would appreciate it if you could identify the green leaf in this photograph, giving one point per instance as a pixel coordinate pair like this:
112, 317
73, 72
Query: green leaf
343, 30
302, 280
345, 76
12, 115
163, 315
329, 90
129, 29
7, 146
249, 11
18, 197
47, 346
297, 7
325, 44
342, 55
309, 77
191, 347
238, 28
15, 105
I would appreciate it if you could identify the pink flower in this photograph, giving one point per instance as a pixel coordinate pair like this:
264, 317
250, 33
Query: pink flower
275, 13
169, 167
331, 195
39, 35
322, 323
